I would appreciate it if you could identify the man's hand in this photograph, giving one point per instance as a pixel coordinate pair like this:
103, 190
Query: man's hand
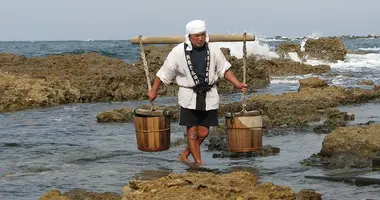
152, 94
243, 87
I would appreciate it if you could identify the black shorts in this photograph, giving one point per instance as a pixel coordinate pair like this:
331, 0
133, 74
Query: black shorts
189, 117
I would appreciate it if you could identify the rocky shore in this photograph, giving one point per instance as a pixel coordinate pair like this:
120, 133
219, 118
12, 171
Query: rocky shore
235, 185
89, 77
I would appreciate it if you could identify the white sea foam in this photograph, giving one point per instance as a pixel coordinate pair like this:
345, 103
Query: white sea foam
253, 48
290, 79
357, 63
370, 49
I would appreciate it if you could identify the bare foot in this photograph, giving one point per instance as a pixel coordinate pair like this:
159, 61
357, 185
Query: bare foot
184, 159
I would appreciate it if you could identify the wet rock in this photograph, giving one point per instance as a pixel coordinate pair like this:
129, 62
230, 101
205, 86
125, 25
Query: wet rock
256, 75
206, 185
330, 49
285, 47
117, 115
66, 78
313, 82
359, 36
23, 91
365, 82
266, 150
54, 195
348, 147
356, 52
126, 114
300, 108
281, 67
354, 180
335, 118
308, 195
217, 144
79, 194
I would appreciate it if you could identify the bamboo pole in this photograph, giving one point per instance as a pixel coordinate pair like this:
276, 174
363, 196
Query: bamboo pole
179, 39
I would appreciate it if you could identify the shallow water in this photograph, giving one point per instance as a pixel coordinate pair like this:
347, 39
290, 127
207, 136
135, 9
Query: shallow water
64, 147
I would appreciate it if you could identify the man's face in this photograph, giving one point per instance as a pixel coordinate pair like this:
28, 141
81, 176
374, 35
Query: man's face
198, 39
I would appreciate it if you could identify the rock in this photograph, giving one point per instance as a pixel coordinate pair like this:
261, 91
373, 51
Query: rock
330, 49
312, 82
335, 118
54, 195
365, 82
117, 115
266, 150
285, 47
206, 185
280, 67
79, 194
308, 195
348, 147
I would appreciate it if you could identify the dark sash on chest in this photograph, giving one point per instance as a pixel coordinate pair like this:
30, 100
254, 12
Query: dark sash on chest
200, 89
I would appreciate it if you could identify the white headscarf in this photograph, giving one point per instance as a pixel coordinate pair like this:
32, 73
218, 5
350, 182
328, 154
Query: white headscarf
193, 27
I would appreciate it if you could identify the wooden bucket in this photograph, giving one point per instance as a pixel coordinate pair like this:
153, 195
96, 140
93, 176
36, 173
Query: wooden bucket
152, 129
244, 131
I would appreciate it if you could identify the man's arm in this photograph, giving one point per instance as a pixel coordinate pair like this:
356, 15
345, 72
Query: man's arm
152, 94
230, 76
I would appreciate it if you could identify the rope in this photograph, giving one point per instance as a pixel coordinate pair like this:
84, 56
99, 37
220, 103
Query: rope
243, 102
145, 69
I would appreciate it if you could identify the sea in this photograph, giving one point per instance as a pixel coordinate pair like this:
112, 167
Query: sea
64, 147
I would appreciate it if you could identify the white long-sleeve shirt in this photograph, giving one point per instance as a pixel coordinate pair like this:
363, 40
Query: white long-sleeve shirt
175, 66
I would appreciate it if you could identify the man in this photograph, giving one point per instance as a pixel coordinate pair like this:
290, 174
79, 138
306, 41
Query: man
196, 65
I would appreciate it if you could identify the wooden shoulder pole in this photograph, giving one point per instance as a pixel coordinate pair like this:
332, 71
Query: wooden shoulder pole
179, 39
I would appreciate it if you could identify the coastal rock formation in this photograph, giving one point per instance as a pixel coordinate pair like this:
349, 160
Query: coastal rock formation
348, 147
286, 47
23, 91
330, 49
88, 77
79, 194
313, 82
234, 185
281, 67
313, 102
238, 185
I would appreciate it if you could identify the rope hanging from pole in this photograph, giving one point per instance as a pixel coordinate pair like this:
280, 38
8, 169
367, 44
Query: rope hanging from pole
146, 69
244, 71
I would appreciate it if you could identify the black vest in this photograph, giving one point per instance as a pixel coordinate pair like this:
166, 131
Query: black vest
200, 74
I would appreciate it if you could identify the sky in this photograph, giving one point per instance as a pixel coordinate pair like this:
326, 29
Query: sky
34, 20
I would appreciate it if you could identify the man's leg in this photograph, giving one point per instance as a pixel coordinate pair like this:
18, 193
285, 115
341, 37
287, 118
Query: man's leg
202, 134
193, 144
